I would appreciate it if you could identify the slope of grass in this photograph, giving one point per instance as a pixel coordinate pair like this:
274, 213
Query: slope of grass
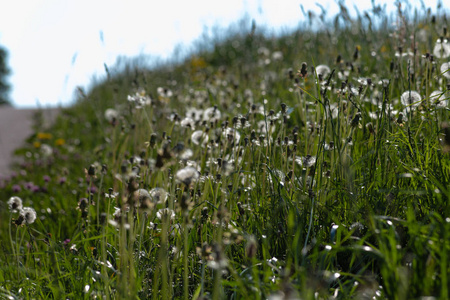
310, 165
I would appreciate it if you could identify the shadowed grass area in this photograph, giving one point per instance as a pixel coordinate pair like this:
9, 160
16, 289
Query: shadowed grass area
308, 165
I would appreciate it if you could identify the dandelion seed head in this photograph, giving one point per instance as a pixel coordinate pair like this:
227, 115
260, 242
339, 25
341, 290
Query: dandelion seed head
14, 204
323, 71
439, 99
159, 195
211, 114
277, 55
165, 213
187, 175
411, 98
29, 215
232, 135
164, 92
139, 99
306, 161
188, 122
186, 154
199, 137
142, 199
111, 115
194, 113
445, 70
46, 150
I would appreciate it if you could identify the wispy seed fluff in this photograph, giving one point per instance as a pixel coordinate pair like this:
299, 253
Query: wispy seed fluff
15, 204
28, 214
322, 71
307, 161
411, 98
111, 114
439, 99
211, 114
199, 137
445, 70
187, 175
159, 195
143, 199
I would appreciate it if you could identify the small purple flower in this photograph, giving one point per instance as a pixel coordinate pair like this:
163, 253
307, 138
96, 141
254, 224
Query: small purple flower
47, 178
62, 180
92, 190
29, 186
66, 242
16, 188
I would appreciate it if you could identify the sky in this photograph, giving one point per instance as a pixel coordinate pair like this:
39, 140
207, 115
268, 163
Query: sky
56, 45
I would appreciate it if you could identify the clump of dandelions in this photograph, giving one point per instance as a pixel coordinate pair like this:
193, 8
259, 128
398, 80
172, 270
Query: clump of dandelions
27, 216
441, 49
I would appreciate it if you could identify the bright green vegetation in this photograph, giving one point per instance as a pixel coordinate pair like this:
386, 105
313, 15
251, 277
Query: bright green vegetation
242, 173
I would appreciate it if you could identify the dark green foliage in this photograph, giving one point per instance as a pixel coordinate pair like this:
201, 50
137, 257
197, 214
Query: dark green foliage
4, 72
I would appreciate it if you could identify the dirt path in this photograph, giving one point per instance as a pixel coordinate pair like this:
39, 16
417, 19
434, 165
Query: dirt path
15, 127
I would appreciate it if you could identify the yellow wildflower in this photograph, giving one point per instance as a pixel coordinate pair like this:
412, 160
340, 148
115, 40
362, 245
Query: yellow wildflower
60, 142
44, 136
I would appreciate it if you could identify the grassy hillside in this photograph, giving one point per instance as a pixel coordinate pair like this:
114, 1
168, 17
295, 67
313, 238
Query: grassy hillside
311, 165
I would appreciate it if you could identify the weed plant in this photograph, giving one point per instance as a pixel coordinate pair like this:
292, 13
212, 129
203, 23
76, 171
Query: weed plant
311, 165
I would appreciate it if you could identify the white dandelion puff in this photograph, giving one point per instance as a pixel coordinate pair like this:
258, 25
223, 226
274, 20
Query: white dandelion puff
211, 114
322, 71
159, 195
306, 161
187, 175
111, 115
28, 214
15, 204
165, 213
188, 122
445, 70
439, 99
411, 98
199, 137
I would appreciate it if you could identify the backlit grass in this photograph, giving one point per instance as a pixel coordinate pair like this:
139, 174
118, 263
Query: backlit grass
309, 165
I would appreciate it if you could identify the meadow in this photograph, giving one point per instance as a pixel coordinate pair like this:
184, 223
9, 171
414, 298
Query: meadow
307, 165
